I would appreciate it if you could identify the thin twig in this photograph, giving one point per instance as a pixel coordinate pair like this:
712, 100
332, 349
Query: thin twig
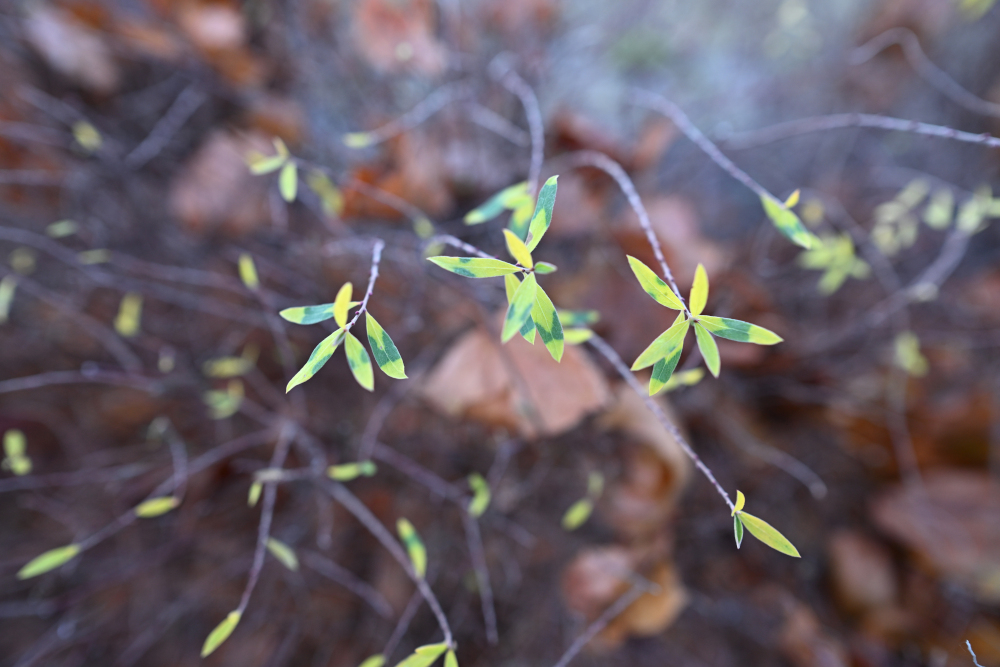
372, 277
926, 69
475, 543
403, 623
458, 243
609, 614
89, 376
430, 105
609, 353
513, 82
497, 124
29, 177
348, 580
179, 112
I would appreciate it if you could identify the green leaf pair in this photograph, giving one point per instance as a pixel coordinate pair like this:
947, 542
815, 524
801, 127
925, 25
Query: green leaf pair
664, 352
383, 349
288, 179
580, 511
760, 529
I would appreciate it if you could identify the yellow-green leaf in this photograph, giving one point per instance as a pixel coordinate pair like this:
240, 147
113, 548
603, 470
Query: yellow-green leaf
284, 553
699, 291
254, 495
542, 217
359, 139
320, 355
577, 336
264, 164
545, 268
384, 350
508, 198
329, 194
61, 229
345, 472
577, 514
940, 209
740, 502
220, 633
578, 318
764, 532
359, 362
248, 272
520, 307
653, 286
664, 369
227, 367
87, 136
288, 182
129, 315
310, 314
908, 355
154, 507
8, 285
741, 332
738, 530
342, 304
14, 443
376, 660
663, 344
528, 331
434, 650
708, 347
686, 378
475, 267
49, 560
450, 660
480, 495
518, 250
547, 322
787, 222
793, 199
414, 546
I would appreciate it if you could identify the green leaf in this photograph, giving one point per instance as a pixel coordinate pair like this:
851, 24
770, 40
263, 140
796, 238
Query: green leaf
940, 209
542, 217
342, 304
699, 291
345, 472
359, 139
518, 250
424, 656
738, 530
309, 314
686, 378
908, 355
741, 332
359, 361
284, 553
384, 350
61, 229
577, 514
220, 633
14, 443
508, 198
663, 344
414, 546
664, 369
475, 267
49, 560
578, 318
154, 507
545, 268
432, 649
376, 660
95, 256
653, 286
709, 350
288, 182
764, 532
87, 136
248, 272
741, 500
329, 194
577, 336
129, 315
320, 355
254, 495
265, 164
480, 495
227, 367
224, 404
450, 660
520, 308
521, 216
787, 222
547, 322
528, 331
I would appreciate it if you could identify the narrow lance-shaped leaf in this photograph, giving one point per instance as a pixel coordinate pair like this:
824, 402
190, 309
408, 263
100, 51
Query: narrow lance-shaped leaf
320, 355
480, 495
699, 291
741, 500
154, 507
664, 369
518, 250
414, 546
663, 344
359, 362
687, 378
547, 322
49, 560
424, 656
376, 660
542, 217
578, 318
288, 182
248, 272
545, 268
345, 472
432, 649
475, 267
220, 633
384, 350
308, 314
528, 331
8, 285
129, 315
342, 304
283, 553
254, 495
738, 530
708, 347
654, 286
495, 205
450, 660
577, 336
577, 514
787, 222
14, 443
741, 332
764, 532
520, 308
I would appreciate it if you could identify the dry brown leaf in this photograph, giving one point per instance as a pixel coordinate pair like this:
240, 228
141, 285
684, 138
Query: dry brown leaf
398, 35
953, 528
475, 380
651, 613
861, 572
805, 643
216, 190
72, 49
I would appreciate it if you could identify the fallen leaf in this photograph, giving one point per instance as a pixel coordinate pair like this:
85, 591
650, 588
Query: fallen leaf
861, 572
651, 613
72, 49
398, 35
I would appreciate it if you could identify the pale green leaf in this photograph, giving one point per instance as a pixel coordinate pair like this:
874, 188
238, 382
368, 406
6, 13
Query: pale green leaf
450, 660
248, 272
764, 532
547, 322
940, 209
542, 217
129, 315
480, 495
359, 362
220, 633
154, 507
288, 182
738, 530
475, 267
61, 229
342, 304
414, 546
49, 560
284, 553
376, 660
224, 404
521, 217
741, 332
686, 378
699, 291
577, 514
329, 194
908, 355
320, 355
254, 495
577, 336
653, 286
87, 136
708, 347
663, 344
265, 164
14, 443
545, 268
345, 472
518, 250
787, 222
8, 286
520, 307
359, 139
508, 198
384, 350
434, 650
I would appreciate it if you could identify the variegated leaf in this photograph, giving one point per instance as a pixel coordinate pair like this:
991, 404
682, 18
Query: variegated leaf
520, 308
542, 217
518, 250
787, 222
741, 332
766, 533
508, 198
320, 355
654, 286
308, 314
547, 322
475, 267
663, 344
384, 350
528, 330
414, 546
663, 369
359, 361
708, 347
